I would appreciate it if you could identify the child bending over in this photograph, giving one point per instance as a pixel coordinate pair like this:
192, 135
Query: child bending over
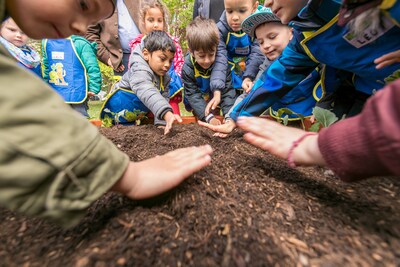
273, 37
202, 36
145, 87
153, 17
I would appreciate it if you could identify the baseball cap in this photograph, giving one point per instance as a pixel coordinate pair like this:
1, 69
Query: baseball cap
260, 16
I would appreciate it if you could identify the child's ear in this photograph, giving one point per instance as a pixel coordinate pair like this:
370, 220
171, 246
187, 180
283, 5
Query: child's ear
255, 7
146, 54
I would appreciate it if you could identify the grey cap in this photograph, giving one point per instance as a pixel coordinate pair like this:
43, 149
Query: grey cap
260, 16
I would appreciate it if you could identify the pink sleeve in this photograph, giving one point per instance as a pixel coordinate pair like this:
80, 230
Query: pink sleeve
178, 59
367, 144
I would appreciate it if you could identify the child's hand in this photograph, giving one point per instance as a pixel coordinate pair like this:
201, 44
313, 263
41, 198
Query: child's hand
170, 117
159, 174
220, 130
91, 94
247, 84
214, 102
387, 59
215, 121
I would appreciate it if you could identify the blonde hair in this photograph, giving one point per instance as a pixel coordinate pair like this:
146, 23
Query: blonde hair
370, 17
202, 34
148, 4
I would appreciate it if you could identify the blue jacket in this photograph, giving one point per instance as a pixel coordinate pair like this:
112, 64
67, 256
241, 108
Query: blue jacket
254, 59
318, 39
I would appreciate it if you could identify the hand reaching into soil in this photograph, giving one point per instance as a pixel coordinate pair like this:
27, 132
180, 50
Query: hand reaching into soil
279, 139
222, 130
170, 117
154, 176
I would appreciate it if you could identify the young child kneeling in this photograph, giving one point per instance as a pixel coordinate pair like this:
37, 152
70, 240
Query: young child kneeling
203, 37
145, 87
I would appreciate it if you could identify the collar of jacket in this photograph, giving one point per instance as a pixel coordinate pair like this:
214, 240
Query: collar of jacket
315, 14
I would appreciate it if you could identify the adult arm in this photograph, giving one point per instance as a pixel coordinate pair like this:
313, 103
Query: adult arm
93, 35
369, 143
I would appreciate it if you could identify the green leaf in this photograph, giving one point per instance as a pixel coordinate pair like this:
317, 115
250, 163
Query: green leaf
324, 116
315, 127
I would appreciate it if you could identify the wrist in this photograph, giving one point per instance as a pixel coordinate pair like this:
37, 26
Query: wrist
305, 151
209, 117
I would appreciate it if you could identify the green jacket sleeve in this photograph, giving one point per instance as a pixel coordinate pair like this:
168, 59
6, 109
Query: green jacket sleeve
53, 163
87, 54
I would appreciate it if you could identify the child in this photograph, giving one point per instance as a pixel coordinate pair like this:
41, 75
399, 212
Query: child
236, 47
320, 39
70, 67
145, 87
53, 162
202, 37
15, 40
153, 17
273, 37
342, 49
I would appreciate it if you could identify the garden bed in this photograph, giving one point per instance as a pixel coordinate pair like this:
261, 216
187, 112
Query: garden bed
246, 209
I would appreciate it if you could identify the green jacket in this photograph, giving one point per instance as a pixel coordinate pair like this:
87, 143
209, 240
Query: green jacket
86, 51
53, 162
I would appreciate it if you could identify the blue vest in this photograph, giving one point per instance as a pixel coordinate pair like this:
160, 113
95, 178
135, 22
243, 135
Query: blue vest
175, 85
67, 74
344, 50
123, 106
238, 47
301, 99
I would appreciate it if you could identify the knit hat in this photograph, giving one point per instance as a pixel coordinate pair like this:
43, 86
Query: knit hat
260, 16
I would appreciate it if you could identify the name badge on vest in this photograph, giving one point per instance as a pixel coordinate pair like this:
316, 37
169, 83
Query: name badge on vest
369, 34
57, 55
242, 50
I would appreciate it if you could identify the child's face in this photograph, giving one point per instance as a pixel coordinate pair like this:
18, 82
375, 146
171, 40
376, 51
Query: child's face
237, 11
286, 10
13, 34
204, 59
153, 20
273, 37
159, 61
57, 18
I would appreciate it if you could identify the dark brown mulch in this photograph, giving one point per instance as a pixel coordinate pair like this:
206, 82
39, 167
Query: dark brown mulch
246, 209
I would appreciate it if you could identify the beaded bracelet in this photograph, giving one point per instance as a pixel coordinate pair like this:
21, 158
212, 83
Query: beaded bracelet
290, 160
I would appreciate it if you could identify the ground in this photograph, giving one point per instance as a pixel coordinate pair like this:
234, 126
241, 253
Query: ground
246, 209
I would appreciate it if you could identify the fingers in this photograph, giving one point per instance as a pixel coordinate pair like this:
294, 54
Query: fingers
221, 135
257, 141
167, 128
178, 118
207, 125
255, 125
